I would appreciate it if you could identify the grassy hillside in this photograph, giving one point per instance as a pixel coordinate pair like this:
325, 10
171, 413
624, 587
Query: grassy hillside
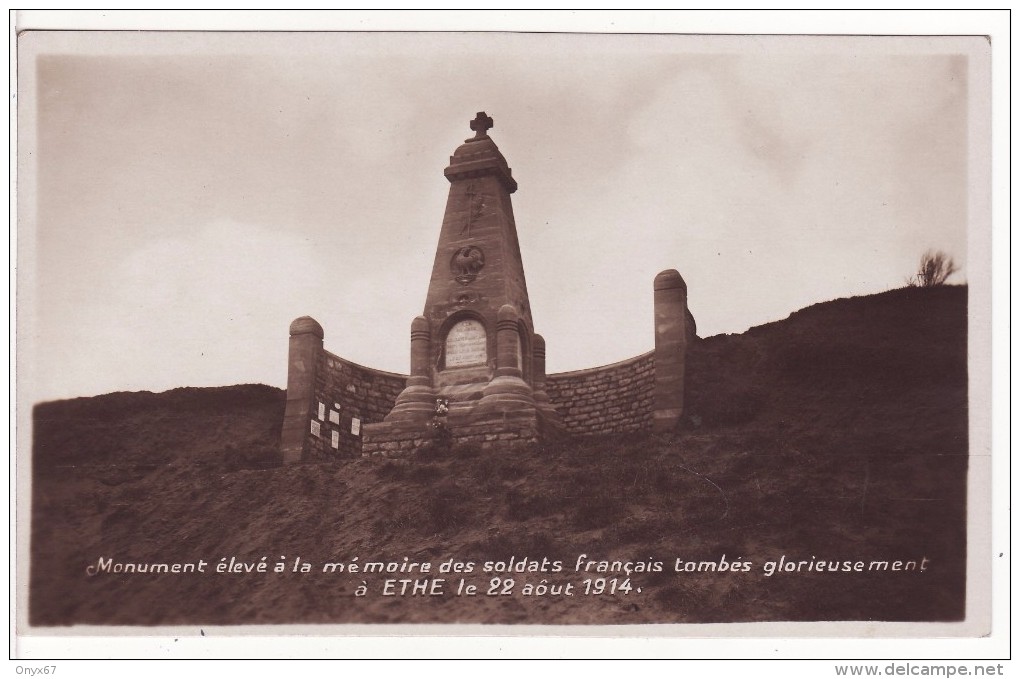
838, 434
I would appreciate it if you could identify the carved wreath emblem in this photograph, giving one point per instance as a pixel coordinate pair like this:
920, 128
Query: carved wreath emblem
466, 263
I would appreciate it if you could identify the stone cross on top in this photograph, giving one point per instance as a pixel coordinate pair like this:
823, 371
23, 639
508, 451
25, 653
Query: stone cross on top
481, 124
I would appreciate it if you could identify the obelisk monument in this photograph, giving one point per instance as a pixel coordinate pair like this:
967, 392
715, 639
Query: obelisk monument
477, 366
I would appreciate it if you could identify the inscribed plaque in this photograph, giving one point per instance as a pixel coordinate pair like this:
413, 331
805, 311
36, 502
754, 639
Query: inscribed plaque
336, 438
315, 428
334, 417
355, 426
465, 344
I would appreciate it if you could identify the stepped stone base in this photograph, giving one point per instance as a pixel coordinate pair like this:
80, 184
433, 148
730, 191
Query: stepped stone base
396, 439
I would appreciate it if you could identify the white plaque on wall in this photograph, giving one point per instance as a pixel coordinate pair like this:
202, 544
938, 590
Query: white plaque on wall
334, 417
322, 411
315, 428
355, 426
336, 439
465, 344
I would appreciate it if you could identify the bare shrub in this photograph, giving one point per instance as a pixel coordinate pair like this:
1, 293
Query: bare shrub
935, 267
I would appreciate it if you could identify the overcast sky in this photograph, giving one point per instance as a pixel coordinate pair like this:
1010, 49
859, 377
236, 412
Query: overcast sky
193, 194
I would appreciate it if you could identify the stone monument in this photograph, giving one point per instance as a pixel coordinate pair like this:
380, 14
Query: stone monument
477, 369
474, 350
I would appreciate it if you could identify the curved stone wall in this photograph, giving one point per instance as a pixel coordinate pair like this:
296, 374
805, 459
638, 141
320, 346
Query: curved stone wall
610, 398
346, 397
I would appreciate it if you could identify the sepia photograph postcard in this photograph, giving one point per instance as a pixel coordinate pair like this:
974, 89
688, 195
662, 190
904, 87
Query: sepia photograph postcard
503, 333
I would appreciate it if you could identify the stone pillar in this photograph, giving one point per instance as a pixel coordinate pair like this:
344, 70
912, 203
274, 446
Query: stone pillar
421, 372
507, 393
538, 367
670, 350
544, 406
417, 400
508, 343
302, 364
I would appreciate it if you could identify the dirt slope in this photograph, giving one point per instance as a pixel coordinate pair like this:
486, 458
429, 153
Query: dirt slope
836, 435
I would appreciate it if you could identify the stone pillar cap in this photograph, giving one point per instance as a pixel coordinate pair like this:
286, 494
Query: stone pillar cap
507, 312
669, 280
305, 325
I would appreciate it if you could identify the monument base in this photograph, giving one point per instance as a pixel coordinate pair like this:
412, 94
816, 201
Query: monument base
396, 439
